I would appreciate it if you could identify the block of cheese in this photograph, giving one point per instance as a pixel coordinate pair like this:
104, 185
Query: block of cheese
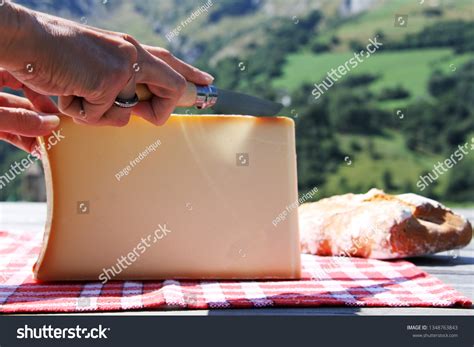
202, 197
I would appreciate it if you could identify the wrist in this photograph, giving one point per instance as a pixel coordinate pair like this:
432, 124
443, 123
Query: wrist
21, 35
10, 28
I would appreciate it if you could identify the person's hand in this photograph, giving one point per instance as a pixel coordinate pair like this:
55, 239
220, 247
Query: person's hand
89, 68
20, 119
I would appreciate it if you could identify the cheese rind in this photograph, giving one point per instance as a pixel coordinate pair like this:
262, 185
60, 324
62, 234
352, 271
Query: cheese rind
194, 199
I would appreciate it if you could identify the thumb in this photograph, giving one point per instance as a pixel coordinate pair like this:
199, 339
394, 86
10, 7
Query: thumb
24, 122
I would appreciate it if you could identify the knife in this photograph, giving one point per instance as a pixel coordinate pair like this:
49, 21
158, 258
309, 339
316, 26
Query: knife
220, 100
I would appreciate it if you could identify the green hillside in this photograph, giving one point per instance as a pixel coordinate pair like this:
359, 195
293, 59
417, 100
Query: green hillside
410, 69
403, 165
385, 157
426, 67
382, 17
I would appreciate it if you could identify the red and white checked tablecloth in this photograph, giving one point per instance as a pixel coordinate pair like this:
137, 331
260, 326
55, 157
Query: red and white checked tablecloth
327, 281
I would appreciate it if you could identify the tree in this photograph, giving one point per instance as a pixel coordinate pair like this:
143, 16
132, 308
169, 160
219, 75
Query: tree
388, 183
461, 180
316, 144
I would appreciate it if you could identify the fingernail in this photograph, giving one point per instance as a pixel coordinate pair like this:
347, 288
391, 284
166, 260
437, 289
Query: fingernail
49, 121
209, 77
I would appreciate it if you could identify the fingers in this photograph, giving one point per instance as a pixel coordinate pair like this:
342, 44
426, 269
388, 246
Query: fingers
165, 84
113, 116
26, 122
119, 116
155, 72
189, 72
7, 80
87, 110
21, 110
41, 103
28, 144
157, 111
96, 106
14, 101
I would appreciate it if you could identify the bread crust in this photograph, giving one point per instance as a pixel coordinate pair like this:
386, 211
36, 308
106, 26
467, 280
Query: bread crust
382, 226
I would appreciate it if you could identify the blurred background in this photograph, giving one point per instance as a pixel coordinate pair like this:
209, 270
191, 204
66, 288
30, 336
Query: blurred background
385, 123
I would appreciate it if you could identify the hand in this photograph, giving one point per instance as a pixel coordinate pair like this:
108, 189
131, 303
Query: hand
89, 68
20, 121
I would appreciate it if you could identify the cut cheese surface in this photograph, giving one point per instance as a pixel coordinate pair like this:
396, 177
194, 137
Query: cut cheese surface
202, 197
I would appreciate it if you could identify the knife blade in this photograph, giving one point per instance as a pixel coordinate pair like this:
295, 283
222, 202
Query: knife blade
220, 100
243, 104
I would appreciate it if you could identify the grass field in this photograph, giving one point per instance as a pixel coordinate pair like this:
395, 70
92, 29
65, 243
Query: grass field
410, 69
395, 157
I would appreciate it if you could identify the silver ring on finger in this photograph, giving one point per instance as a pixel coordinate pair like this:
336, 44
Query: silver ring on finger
127, 103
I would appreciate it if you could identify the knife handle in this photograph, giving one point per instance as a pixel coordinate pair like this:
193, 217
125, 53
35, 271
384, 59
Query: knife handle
194, 95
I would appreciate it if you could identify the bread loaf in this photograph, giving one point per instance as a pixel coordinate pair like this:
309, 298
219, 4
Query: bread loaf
379, 225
